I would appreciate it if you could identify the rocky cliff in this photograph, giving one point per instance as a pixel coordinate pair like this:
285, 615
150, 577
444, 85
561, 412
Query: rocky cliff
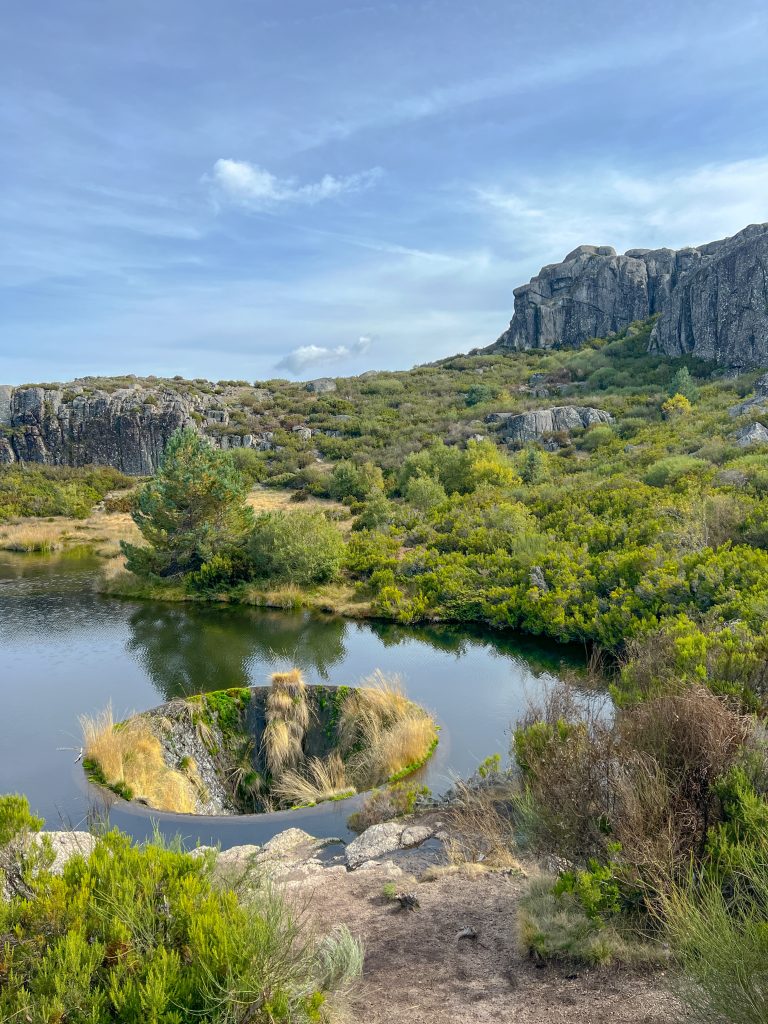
96, 423
712, 300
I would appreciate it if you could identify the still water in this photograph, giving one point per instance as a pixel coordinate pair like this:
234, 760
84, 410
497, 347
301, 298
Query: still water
66, 651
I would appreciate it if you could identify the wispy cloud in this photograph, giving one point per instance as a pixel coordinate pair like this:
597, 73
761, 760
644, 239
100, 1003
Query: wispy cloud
550, 215
307, 356
250, 185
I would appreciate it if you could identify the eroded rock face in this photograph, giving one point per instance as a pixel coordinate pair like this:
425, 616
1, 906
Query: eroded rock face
533, 425
719, 310
127, 428
712, 299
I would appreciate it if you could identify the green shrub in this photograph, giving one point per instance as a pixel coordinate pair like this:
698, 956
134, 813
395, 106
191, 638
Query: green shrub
669, 471
297, 547
55, 490
144, 934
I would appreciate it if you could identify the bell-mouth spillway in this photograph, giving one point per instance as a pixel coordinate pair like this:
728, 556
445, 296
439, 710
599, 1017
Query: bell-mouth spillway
260, 749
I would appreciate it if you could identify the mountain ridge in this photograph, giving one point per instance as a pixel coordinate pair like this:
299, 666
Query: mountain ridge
711, 300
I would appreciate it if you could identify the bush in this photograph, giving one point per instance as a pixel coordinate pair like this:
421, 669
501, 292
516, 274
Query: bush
349, 480
294, 547
669, 471
596, 437
55, 490
647, 779
144, 934
424, 493
720, 941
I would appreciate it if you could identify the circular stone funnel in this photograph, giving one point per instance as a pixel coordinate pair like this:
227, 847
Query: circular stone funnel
261, 748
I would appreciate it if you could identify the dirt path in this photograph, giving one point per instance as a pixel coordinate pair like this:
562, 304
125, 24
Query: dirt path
417, 971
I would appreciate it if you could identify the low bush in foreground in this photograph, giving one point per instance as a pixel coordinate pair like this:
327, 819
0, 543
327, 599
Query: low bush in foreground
553, 925
145, 935
721, 940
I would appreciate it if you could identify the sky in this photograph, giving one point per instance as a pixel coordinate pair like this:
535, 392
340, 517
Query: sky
249, 189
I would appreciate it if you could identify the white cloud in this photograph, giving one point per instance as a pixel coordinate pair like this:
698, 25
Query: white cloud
251, 185
306, 356
546, 217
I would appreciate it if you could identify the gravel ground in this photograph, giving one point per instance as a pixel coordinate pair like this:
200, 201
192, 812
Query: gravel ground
418, 971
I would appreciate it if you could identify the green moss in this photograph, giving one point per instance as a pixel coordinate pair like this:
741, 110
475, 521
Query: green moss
94, 774
227, 707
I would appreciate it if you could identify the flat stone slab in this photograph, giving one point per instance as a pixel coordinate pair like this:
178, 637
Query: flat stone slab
387, 837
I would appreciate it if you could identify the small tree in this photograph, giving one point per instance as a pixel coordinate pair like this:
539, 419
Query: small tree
533, 466
682, 384
193, 508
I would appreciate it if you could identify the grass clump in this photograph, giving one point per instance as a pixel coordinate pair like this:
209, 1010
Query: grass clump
384, 733
319, 779
287, 715
553, 925
144, 934
128, 758
720, 938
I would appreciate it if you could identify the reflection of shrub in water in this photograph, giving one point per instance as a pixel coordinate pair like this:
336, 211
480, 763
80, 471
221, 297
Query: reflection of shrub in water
188, 649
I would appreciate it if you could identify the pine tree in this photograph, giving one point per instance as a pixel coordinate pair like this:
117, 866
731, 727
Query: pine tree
192, 509
682, 384
533, 466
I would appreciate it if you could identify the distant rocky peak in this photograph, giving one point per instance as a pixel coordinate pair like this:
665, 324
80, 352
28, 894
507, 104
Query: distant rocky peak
712, 300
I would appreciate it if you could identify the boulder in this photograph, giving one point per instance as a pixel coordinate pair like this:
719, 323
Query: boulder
321, 386
67, 845
533, 425
753, 433
387, 837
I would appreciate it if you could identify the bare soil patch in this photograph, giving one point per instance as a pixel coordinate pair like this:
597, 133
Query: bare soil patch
417, 969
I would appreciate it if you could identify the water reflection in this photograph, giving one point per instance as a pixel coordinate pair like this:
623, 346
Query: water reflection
66, 651
187, 649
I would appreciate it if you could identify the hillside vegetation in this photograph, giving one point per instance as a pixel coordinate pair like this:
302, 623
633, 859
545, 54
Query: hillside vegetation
645, 535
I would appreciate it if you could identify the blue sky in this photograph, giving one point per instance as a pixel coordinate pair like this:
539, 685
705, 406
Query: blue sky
249, 188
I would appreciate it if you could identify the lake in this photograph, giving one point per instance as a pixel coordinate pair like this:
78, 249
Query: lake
67, 651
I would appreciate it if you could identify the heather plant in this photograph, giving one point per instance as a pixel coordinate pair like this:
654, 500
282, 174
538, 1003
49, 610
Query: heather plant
147, 933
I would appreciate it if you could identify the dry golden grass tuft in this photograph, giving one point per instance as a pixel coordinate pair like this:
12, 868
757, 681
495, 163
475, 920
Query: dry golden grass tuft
130, 755
322, 779
480, 828
287, 721
389, 732
29, 536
